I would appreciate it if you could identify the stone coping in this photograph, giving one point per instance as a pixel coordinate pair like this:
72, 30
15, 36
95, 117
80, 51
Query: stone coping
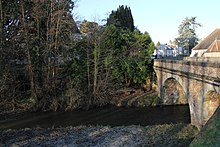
194, 62
203, 59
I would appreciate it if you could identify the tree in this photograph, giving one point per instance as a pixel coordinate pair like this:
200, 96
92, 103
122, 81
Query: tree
39, 34
132, 58
122, 18
158, 45
88, 27
59, 72
1, 31
187, 34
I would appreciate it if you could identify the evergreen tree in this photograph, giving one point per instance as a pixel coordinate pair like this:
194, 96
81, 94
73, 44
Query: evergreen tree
122, 18
187, 34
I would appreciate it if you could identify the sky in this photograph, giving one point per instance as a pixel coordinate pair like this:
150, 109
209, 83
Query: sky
160, 18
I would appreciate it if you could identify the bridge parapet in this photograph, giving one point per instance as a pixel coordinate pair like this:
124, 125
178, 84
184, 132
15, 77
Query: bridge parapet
202, 70
203, 59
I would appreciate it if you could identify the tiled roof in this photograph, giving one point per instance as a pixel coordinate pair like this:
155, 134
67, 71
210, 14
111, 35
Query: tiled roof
214, 47
205, 43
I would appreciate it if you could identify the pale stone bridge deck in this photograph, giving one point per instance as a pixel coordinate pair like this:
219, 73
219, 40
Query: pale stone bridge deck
196, 82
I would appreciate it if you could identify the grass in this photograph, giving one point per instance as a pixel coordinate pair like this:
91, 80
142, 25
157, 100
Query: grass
210, 134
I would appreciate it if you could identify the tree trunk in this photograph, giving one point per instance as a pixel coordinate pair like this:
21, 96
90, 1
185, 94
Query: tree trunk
95, 70
88, 79
1, 33
30, 68
49, 45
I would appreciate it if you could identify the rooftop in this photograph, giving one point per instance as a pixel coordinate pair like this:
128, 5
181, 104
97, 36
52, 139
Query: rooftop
205, 43
214, 47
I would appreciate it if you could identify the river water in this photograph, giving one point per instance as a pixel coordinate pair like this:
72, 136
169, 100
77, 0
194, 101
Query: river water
108, 115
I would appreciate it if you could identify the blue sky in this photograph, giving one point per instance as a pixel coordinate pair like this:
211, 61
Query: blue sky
160, 18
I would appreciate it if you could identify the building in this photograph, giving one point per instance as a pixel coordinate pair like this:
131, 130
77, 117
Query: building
168, 51
213, 50
208, 47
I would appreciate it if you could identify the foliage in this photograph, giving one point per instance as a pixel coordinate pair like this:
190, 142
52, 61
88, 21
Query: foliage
187, 35
88, 27
107, 58
135, 58
35, 41
43, 64
122, 18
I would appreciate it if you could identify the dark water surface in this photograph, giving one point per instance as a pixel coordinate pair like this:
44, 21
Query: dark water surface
108, 115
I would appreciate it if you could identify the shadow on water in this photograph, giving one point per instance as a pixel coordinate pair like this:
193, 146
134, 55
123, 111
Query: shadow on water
108, 115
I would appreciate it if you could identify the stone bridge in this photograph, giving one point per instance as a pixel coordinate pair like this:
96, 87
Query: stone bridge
196, 83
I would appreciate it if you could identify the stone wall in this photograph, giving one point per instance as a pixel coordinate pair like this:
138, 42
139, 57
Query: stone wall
196, 79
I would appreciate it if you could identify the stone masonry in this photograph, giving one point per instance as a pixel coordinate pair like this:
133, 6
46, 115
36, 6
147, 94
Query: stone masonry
197, 83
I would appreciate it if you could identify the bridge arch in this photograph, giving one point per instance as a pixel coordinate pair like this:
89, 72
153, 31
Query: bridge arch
210, 104
176, 77
173, 92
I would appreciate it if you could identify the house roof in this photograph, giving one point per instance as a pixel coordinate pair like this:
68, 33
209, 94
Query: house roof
205, 43
214, 47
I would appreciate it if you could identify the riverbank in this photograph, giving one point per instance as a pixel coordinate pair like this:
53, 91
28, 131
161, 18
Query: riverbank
102, 126
134, 135
209, 135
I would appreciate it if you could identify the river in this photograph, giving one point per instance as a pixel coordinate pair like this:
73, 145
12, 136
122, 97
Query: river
108, 115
